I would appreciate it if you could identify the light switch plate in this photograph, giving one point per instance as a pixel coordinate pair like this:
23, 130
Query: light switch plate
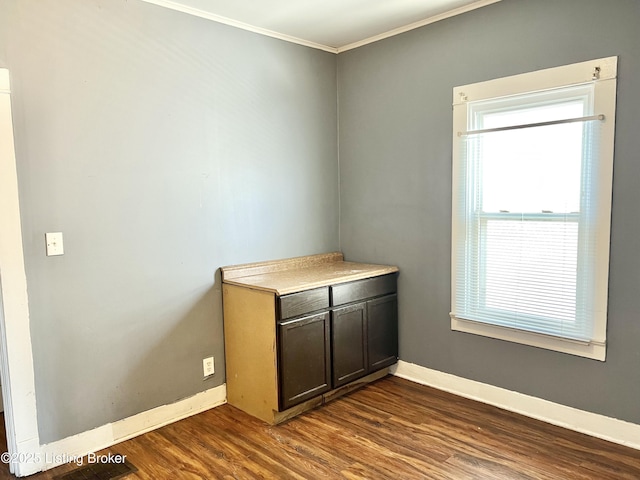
54, 243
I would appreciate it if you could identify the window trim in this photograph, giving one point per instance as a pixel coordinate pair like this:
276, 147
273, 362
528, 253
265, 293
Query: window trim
602, 73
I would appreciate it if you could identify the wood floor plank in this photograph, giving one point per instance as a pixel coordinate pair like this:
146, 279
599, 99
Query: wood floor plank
388, 430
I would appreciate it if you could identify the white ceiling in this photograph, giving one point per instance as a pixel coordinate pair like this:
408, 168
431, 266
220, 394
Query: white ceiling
332, 25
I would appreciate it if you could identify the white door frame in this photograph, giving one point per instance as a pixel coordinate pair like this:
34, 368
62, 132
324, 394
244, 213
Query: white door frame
18, 385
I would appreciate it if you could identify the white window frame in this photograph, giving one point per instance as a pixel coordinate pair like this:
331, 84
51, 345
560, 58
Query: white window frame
602, 73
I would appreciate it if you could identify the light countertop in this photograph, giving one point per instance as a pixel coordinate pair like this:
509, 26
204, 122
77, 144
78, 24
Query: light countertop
301, 273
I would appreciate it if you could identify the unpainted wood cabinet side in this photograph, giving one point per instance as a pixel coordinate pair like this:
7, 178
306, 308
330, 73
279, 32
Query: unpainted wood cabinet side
250, 349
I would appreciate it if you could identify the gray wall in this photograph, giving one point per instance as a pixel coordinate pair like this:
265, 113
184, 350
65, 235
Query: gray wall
163, 146
395, 175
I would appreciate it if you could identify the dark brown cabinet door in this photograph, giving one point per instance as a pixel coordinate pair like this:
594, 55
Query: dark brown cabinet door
382, 330
304, 365
349, 343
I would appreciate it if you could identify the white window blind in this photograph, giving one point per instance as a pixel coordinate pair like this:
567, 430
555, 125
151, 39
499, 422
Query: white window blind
527, 245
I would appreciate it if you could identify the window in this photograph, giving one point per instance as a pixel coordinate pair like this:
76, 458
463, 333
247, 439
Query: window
532, 180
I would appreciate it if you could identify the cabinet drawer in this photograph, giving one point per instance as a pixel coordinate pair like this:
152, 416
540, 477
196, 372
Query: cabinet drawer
304, 302
362, 289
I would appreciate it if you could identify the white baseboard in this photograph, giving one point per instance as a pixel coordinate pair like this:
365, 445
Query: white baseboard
72, 448
600, 426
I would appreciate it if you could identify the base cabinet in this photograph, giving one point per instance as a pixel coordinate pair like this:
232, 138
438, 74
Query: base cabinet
288, 353
359, 328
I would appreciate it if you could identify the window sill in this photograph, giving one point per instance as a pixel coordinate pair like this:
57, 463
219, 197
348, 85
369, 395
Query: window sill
593, 350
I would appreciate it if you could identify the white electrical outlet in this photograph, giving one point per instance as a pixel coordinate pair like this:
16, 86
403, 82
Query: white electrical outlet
208, 366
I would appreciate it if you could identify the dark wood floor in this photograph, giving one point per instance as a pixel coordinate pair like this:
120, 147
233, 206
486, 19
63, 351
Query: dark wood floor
392, 429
